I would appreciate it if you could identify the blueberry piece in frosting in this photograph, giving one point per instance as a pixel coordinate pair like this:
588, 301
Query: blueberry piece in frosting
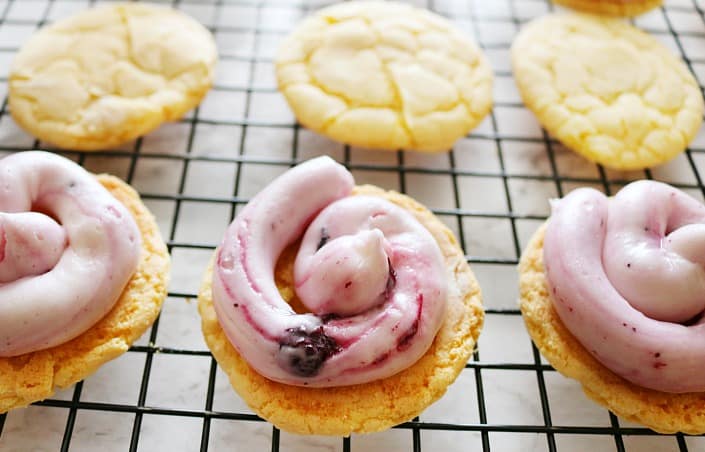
303, 352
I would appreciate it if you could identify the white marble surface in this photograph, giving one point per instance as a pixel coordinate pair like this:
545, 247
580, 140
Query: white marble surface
494, 174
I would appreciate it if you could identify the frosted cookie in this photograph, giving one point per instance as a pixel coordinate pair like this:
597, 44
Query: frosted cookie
110, 74
613, 294
384, 75
81, 280
612, 7
363, 321
607, 90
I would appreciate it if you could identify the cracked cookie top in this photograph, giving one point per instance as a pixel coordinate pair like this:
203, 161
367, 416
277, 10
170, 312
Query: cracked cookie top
107, 75
384, 75
606, 89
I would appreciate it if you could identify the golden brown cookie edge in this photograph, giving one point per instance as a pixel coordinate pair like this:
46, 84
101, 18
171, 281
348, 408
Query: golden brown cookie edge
611, 7
660, 411
138, 126
35, 376
373, 406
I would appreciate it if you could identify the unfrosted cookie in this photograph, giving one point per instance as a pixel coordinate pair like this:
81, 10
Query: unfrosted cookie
368, 407
35, 376
612, 7
607, 90
660, 411
384, 75
110, 74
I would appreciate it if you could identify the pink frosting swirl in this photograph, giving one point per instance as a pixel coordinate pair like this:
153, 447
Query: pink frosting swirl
67, 250
627, 279
372, 276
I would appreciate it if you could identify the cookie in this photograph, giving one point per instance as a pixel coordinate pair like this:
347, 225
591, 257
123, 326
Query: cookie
35, 376
384, 75
367, 407
612, 7
110, 74
607, 90
660, 411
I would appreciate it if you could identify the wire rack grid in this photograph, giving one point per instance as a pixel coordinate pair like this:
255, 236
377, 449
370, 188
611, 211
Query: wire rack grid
167, 392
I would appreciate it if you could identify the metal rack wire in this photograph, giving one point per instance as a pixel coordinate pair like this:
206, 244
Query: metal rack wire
680, 23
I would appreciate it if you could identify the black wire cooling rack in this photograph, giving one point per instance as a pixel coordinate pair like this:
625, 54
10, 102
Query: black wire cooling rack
491, 190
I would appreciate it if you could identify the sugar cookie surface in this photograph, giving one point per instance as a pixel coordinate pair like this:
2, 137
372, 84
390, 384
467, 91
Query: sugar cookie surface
368, 407
607, 90
384, 75
660, 411
110, 74
35, 376
611, 7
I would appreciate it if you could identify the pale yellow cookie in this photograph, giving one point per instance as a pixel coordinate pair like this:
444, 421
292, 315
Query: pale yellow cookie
110, 74
607, 90
660, 411
384, 75
35, 376
368, 407
612, 7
